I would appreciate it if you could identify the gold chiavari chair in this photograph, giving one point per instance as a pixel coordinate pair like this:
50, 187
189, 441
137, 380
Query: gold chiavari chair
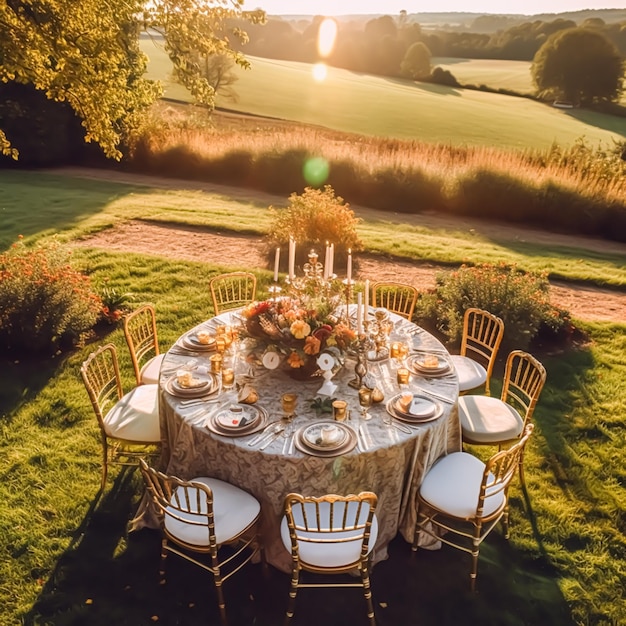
200, 517
330, 534
395, 297
233, 290
140, 331
461, 499
501, 421
129, 423
482, 336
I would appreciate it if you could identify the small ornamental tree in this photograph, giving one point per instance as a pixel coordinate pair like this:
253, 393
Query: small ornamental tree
579, 65
313, 218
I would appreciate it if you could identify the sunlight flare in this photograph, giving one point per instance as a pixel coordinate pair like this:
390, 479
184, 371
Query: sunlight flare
326, 37
320, 71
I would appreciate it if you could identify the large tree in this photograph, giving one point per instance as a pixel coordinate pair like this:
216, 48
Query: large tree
87, 54
579, 65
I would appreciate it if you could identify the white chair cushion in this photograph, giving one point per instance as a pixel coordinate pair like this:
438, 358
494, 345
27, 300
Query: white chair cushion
470, 373
150, 371
136, 416
233, 509
488, 420
452, 485
329, 554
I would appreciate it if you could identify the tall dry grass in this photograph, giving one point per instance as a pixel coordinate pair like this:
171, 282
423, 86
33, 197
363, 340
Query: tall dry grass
577, 189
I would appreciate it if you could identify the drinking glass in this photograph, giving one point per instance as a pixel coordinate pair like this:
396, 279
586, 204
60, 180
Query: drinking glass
288, 402
403, 376
365, 400
228, 378
340, 410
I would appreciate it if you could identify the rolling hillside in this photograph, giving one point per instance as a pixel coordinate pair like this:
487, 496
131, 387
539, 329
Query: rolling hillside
374, 105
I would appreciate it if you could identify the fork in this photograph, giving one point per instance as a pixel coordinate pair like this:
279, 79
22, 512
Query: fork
278, 429
268, 430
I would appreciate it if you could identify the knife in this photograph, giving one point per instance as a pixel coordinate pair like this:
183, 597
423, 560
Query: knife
434, 394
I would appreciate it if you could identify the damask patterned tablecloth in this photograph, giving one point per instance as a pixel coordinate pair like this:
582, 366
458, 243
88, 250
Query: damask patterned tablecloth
392, 466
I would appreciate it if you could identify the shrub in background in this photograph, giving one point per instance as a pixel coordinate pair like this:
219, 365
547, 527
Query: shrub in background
45, 304
519, 298
313, 218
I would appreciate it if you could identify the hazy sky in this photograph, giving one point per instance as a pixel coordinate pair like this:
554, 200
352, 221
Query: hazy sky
392, 7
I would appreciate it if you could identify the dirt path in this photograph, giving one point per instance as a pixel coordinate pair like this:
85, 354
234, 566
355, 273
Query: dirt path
195, 244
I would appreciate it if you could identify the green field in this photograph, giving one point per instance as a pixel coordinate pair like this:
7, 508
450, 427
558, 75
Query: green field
496, 74
378, 106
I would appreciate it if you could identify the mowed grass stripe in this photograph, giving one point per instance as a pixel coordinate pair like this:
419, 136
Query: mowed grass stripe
379, 106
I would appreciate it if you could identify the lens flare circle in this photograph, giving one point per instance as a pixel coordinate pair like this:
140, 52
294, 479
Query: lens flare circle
315, 171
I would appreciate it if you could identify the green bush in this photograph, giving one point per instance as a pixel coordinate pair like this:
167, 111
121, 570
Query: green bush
519, 298
313, 218
45, 304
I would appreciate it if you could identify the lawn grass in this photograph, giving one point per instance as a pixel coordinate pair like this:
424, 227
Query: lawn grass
69, 561
72, 211
67, 558
379, 106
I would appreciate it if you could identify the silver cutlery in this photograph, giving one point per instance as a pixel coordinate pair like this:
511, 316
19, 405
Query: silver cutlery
402, 428
268, 430
434, 394
363, 438
277, 431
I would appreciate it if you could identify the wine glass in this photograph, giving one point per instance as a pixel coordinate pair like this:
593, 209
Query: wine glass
365, 400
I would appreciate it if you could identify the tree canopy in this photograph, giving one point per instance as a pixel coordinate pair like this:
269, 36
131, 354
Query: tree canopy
416, 62
579, 65
87, 54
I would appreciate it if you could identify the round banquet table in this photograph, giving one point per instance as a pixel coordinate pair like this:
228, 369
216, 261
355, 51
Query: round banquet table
390, 460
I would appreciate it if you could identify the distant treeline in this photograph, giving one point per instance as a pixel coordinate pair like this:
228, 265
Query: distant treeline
378, 45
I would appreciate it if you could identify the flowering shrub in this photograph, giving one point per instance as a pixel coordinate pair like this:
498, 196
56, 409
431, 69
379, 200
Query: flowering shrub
312, 219
519, 298
300, 330
44, 302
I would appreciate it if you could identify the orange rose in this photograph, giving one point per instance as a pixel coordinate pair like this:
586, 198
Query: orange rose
295, 360
312, 345
300, 329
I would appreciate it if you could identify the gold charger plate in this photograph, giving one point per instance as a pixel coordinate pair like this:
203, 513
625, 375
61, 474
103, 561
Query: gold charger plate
416, 364
209, 386
191, 341
258, 423
303, 445
395, 411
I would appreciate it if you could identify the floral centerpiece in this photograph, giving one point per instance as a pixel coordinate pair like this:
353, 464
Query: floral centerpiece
300, 327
